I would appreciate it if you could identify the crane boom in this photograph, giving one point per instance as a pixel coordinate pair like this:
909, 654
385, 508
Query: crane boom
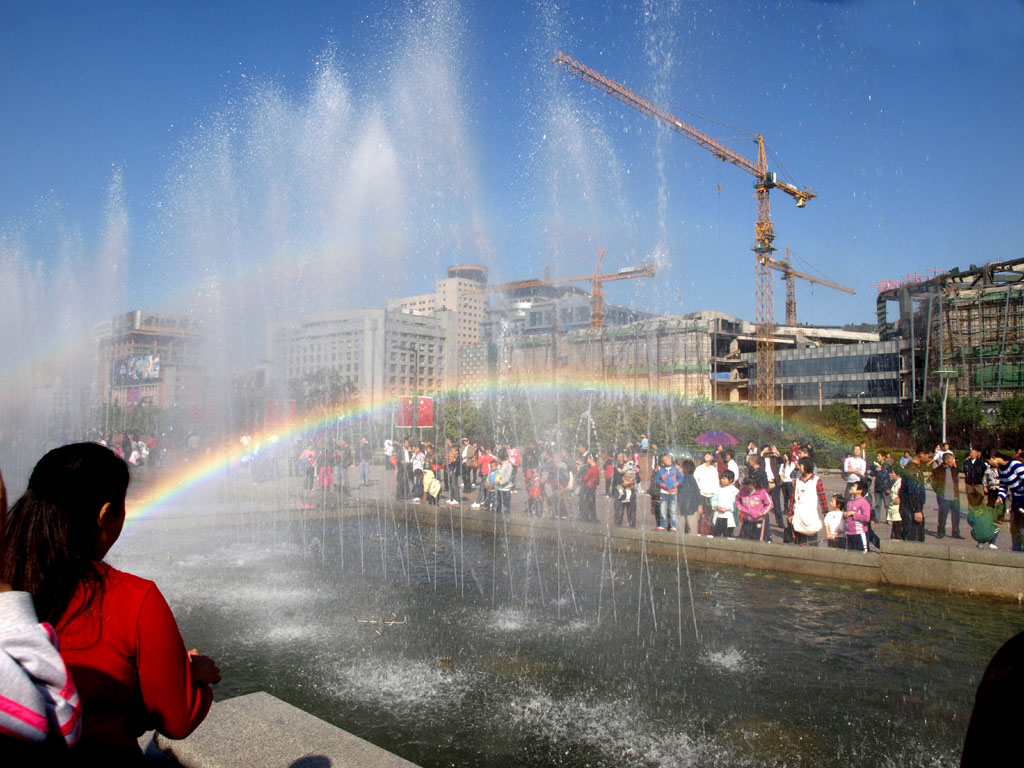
789, 275
718, 149
764, 231
787, 271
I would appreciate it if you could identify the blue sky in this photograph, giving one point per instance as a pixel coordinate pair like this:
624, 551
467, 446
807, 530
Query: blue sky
461, 142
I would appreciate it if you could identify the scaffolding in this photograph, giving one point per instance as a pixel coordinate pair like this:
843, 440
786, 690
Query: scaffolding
665, 355
969, 321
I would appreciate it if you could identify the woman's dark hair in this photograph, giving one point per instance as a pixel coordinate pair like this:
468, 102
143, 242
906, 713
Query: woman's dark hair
51, 529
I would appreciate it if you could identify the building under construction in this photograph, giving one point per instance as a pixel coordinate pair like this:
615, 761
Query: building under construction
701, 355
962, 326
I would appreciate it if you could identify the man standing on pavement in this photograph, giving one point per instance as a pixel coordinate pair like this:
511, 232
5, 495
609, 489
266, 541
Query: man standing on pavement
668, 478
706, 476
755, 468
945, 481
854, 469
912, 495
882, 472
974, 478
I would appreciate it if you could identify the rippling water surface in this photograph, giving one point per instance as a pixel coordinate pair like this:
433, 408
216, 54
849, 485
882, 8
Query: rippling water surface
515, 651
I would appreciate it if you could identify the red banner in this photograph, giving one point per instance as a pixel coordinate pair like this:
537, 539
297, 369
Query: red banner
403, 414
414, 412
271, 413
425, 412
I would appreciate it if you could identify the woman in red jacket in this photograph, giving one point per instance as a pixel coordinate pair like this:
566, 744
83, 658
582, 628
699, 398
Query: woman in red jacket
115, 631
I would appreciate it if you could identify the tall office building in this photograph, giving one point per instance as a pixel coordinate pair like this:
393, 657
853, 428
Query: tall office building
450, 295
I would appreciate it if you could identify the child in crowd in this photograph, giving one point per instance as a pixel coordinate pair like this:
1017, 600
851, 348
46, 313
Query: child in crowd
534, 505
655, 493
753, 504
723, 505
609, 473
627, 487
858, 517
983, 526
834, 521
431, 486
892, 509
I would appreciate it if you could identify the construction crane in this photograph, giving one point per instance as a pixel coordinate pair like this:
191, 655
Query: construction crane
596, 280
764, 231
789, 275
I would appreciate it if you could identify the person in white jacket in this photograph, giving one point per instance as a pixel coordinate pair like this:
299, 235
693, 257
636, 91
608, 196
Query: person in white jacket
706, 476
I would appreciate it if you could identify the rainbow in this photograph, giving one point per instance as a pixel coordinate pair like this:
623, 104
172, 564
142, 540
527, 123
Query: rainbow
199, 471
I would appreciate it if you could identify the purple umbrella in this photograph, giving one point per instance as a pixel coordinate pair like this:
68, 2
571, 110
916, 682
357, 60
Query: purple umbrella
716, 438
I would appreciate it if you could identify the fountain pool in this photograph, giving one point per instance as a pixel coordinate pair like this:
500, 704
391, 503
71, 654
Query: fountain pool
518, 651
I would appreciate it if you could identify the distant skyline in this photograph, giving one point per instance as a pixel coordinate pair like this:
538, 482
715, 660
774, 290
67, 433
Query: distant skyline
458, 140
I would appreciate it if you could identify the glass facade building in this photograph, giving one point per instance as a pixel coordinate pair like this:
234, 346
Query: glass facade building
837, 373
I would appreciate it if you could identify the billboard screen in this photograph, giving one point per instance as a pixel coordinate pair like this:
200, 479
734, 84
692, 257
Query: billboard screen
131, 370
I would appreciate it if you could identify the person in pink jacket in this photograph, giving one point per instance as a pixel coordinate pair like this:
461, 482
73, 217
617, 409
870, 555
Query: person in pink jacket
857, 517
753, 504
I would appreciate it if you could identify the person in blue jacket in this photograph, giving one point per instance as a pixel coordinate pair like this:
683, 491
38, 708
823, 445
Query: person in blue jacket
668, 480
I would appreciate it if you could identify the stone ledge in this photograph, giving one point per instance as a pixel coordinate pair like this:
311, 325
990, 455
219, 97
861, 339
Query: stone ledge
960, 570
260, 731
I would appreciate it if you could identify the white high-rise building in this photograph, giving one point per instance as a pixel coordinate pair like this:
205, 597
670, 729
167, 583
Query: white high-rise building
382, 353
450, 295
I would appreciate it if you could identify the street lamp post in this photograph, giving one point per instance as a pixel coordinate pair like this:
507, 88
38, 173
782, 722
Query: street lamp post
590, 418
859, 396
945, 375
409, 346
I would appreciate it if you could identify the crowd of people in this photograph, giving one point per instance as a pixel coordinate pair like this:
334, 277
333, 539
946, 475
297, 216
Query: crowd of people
719, 496
326, 463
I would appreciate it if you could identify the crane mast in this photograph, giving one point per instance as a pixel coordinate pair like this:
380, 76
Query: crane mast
764, 231
789, 275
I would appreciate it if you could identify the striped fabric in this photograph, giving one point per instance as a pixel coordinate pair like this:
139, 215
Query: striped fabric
1011, 479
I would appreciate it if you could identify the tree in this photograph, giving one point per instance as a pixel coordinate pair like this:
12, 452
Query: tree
1009, 420
965, 421
839, 419
457, 417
